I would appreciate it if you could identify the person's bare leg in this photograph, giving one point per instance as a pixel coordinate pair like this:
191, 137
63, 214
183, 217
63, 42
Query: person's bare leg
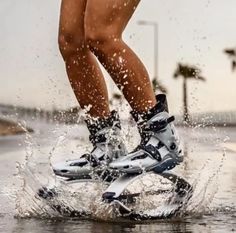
83, 71
105, 20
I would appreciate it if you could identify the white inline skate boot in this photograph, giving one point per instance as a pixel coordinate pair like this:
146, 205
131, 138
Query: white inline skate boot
159, 149
107, 146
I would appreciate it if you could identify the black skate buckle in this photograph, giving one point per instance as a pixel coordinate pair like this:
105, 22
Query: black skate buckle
170, 119
160, 125
94, 162
153, 151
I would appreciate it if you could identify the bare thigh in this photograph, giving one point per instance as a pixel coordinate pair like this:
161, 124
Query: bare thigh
71, 27
109, 15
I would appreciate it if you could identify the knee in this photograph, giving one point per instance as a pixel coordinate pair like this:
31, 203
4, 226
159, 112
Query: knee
71, 45
100, 40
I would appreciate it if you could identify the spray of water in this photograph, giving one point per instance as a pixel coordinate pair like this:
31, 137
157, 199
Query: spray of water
84, 198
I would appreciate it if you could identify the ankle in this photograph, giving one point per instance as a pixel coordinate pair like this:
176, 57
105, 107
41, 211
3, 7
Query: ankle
160, 106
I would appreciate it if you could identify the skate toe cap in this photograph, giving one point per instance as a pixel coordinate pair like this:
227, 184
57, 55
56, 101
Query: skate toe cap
72, 168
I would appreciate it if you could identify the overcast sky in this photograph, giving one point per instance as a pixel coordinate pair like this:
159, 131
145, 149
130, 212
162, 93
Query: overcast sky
190, 31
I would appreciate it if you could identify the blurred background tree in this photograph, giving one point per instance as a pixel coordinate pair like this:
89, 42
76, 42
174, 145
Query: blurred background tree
158, 86
187, 72
232, 55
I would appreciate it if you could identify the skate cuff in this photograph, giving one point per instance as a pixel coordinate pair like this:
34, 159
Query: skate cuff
97, 124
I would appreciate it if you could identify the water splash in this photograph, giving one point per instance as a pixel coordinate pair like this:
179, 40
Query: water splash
85, 197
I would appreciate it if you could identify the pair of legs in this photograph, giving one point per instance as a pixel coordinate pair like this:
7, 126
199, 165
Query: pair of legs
91, 29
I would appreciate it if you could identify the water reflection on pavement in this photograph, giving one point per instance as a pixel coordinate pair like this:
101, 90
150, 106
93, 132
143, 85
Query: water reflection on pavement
214, 147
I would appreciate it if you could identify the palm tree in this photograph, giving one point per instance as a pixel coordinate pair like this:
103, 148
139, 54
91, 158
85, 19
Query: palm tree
187, 72
232, 55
